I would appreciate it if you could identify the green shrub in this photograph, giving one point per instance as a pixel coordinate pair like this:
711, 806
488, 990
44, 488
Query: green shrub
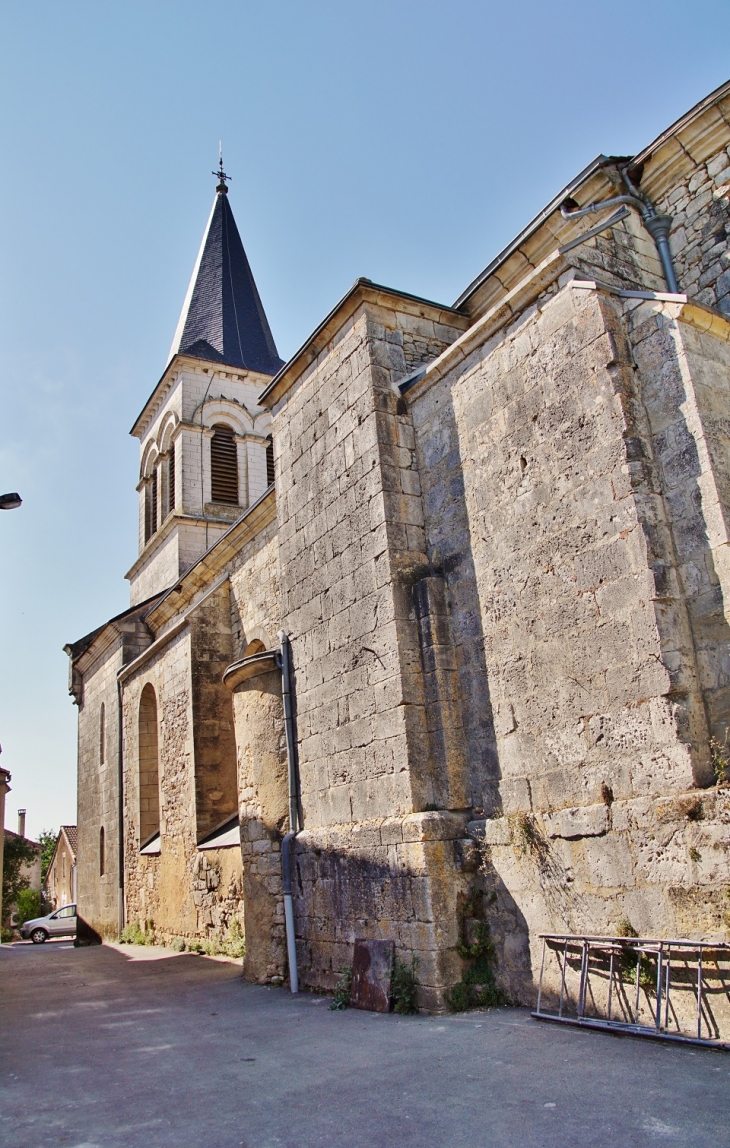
17, 853
29, 905
132, 934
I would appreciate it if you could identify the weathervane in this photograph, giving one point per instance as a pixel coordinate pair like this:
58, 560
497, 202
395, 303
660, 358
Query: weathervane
222, 177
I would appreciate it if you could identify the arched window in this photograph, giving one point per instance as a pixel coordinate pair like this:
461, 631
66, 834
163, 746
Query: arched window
102, 734
149, 786
269, 462
150, 506
102, 853
223, 465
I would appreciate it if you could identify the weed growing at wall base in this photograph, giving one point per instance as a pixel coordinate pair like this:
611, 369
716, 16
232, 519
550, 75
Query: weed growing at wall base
477, 987
343, 988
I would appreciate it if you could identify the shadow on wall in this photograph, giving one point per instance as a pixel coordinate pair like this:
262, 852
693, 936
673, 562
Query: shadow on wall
85, 934
449, 617
686, 395
432, 912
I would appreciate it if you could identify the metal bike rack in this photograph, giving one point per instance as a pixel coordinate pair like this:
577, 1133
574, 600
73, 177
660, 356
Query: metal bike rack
611, 959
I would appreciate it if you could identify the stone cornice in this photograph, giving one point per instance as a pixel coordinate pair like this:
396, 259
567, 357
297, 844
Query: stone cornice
180, 363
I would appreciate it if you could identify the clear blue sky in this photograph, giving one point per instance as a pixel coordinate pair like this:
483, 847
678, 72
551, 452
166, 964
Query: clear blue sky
404, 140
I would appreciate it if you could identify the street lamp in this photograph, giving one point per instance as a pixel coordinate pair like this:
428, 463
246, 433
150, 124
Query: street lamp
10, 501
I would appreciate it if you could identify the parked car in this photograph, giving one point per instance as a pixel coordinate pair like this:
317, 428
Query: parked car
62, 923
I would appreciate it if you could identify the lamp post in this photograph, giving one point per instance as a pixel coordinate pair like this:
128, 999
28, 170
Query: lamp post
7, 502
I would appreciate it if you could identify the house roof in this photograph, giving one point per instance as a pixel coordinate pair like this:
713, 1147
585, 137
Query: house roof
223, 320
71, 833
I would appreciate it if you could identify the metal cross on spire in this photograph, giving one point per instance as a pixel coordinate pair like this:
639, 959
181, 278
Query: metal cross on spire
222, 177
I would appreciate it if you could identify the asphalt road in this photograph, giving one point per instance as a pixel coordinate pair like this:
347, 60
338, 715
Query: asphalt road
101, 1049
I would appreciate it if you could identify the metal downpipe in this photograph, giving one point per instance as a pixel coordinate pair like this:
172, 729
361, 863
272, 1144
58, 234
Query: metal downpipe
120, 812
657, 225
286, 845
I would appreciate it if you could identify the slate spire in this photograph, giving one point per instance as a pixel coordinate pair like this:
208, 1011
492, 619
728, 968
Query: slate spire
222, 319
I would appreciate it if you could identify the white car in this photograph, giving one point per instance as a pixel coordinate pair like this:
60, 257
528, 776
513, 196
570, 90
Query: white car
62, 923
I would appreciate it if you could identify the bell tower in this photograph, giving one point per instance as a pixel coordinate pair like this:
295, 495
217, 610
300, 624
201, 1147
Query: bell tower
205, 452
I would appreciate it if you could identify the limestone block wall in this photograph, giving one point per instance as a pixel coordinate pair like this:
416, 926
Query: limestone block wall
263, 814
261, 756
683, 357
591, 521
352, 550
254, 589
185, 892
98, 794
216, 796
700, 207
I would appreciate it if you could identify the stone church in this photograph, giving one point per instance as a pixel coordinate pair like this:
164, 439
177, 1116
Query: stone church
431, 620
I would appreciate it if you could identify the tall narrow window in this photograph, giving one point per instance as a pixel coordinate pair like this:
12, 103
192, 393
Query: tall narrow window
269, 462
150, 506
171, 479
102, 853
149, 785
223, 466
102, 734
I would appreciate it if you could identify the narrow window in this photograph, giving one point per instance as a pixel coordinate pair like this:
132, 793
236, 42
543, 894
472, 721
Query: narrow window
149, 786
102, 735
102, 855
269, 462
171, 479
150, 506
153, 501
63, 865
223, 466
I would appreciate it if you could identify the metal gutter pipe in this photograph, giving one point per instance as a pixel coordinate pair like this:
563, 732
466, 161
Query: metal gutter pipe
657, 225
291, 941
120, 813
286, 845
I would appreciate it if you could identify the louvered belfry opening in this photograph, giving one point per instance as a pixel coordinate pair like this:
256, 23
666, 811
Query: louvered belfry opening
150, 507
269, 462
171, 478
223, 465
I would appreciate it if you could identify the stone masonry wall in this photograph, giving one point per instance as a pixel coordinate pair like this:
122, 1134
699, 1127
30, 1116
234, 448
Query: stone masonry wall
589, 642
98, 789
700, 237
352, 548
185, 892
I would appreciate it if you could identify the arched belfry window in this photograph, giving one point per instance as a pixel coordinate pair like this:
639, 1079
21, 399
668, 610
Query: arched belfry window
102, 734
223, 465
150, 506
149, 781
269, 462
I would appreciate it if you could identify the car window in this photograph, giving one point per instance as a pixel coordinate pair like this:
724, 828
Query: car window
69, 911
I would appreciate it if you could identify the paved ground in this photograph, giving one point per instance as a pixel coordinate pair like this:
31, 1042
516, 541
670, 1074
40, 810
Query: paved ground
104, 1050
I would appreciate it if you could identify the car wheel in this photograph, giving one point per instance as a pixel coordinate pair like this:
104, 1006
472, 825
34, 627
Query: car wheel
38, 936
